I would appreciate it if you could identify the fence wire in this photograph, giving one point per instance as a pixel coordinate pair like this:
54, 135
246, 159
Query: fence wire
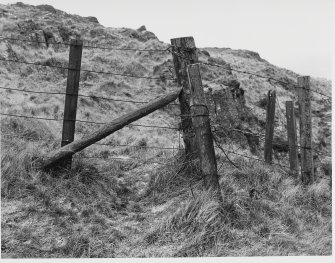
246, 72
169, 49
91, 122
81, 95
89, 71
90, 46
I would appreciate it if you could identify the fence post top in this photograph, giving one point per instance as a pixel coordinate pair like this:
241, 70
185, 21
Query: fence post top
182, 38
302, 80
304, 77
76, 42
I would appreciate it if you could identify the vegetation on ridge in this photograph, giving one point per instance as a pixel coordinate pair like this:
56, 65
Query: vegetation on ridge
148, 202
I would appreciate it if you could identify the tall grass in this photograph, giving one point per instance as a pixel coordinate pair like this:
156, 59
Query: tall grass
266, 212
79, 202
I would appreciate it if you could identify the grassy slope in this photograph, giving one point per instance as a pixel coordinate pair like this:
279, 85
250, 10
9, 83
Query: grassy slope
139, 208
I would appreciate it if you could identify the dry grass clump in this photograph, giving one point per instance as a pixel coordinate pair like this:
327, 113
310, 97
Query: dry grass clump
67, 212
197, 223
28, 129
18, 155
265, 212
174, 178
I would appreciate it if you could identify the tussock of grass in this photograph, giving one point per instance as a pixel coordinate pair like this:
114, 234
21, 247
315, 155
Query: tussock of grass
198, 223
78, 204
29, 129
271, 222
172, 179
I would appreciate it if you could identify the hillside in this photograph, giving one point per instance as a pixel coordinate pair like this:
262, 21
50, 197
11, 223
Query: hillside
132, 198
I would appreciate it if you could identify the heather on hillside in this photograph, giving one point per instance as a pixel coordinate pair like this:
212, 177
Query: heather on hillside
136, 193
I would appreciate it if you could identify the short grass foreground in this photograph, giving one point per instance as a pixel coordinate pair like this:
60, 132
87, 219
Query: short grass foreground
128, 209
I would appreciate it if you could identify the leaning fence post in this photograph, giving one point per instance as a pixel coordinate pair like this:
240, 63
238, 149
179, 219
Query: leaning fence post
72, 87
53, 158
184, 53
203, 133
305, 121
292, 136
269, 126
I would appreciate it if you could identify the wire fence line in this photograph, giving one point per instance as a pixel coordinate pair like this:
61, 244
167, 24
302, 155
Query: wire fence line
33, 41
123, 159
126, 49
138, 146
253, 158
169, 49
247, 72
277, 142
105, 144
90, 46
89, 71
80, 95
84, 121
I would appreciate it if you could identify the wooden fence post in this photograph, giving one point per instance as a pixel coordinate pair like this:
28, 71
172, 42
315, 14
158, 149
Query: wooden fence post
203, 133
57, 156
269, 126
292, 136
184, 53
72, 87
305, 121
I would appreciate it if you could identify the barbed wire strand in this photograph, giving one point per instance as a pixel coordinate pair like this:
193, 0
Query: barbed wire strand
249, 73
89, 71
115, 158
126, 49
105, 144
137, 146
256, 159
91, 122
84, 46
262, 137
80, 95
169, 49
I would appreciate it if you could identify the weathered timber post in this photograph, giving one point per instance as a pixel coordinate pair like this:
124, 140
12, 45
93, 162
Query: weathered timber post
53, 158
292, 136
203, 133
184, 53
72, 87
269, 126
305, 121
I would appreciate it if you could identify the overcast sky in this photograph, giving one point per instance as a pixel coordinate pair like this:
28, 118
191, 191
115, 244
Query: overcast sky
295, 34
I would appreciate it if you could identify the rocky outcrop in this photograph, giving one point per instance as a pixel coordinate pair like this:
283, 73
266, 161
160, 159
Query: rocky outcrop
92, 19
47, 8
44, 36
33, 32
248, 54
147, 35
206, 53
142, 28
141, 36
22, 5
28, 26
